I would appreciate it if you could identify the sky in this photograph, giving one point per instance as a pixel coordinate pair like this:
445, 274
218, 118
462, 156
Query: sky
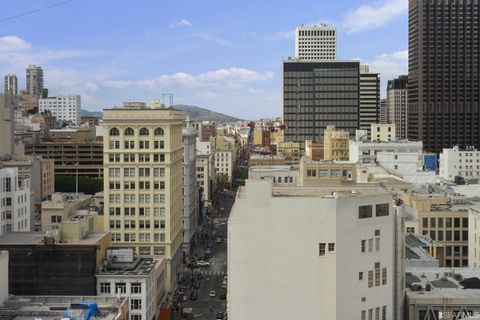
223, 55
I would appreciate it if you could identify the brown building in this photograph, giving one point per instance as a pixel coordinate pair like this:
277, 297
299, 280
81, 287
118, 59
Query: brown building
314, 150
86, 158
208, 130
444, 69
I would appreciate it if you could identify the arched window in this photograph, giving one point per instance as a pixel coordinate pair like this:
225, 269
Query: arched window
159, 132
129, 132
114, 132
144, 132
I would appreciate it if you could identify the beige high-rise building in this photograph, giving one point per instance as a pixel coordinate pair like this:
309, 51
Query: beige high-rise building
11, 85
7, 107
143, 181
335, 144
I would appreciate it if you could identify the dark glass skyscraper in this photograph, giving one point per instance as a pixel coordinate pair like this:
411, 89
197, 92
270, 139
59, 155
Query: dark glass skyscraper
316, 94
444, 68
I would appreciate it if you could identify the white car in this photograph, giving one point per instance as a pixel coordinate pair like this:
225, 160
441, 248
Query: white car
213, 293
201, 263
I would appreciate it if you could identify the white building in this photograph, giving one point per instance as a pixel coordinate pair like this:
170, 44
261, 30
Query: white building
281, 175
190, 194
406, 165
317, 42
140, 279
64, 108
455, 162
322, 256
366, 151
204, 147
224, 163
14, 201
474, 237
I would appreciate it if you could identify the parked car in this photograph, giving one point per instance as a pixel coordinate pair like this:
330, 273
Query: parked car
194, 295
199, 276
220, 316
196, 284
201, 263
212, 293
223, 296
218, 241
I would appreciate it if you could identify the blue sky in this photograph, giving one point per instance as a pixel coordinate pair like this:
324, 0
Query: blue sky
221, 54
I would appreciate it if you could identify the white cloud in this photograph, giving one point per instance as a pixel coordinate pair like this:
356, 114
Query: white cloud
372, 16
213, 38
90, 86
225, 78
181, 23
281, 35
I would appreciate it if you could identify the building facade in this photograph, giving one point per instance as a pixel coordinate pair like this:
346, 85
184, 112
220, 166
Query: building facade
366, 151
15, 204
63, 108
335, 144
455, 162
190, 191
317, 94
335, 266
369, 98
7, 123
443, 73
317, 42
474, 237
143, 188
35, 80
383, 132
11, 85
383, 111
397, 101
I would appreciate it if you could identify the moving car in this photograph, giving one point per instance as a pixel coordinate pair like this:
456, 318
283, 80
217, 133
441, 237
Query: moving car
201, 263
212, 293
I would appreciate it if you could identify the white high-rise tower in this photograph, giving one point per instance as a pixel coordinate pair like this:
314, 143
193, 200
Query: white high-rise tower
317, 42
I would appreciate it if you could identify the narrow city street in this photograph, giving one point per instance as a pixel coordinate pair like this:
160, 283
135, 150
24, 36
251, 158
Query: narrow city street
207, 278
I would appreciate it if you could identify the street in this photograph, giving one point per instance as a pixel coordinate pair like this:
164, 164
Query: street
212, 276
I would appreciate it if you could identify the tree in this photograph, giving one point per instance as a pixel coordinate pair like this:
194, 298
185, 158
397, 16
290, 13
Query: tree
87, 185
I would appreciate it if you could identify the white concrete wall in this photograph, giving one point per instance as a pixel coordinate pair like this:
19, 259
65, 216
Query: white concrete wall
66, 108
474, 237
3, 276
16, 216
285, 277
455, 162
366, 151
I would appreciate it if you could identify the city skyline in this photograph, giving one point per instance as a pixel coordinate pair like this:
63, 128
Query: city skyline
240, 47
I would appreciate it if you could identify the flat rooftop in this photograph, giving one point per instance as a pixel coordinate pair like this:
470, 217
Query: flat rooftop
32, 238
70, 202
53, 307
446, 283
140, 266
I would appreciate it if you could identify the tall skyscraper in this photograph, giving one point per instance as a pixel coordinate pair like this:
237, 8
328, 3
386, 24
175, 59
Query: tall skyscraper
316, 94
443, 75
369, 98
7, 123
143, 181
397, 105
35, 80
383, 111
317, 42
11, 85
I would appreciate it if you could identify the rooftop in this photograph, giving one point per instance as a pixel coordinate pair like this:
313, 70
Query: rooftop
445, 283
53, 307
37, 238
140, 266
65, 200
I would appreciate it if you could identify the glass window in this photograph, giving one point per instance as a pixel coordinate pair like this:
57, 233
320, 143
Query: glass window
322, 249
144, 132
104, 287
129, 132
382, 209
114, 132
158, 132
364, 212
120, 287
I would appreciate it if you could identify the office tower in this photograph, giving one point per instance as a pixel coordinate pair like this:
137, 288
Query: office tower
64, 108
317, 42
369, 98
190, 190
7, 123
143, 181
443, 75
45, 93
383, 111
397, 105
316, 94
11, 85
35, 80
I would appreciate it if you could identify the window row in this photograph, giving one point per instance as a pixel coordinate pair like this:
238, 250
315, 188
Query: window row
131, 211
130, 132
322, 247
366, 211
363, 315
142, 144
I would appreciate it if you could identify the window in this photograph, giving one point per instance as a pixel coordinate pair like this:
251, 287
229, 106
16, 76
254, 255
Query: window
370, 278
135, 304
331, 247
364, 212
377, 244
370, 245
159, 144
363, 245
144, 132
136, 287
384, 276
377, 313
114, 132
382, 209
377, 274
104, 287
311, 173
322, 249
120, 288
129, 132
158, 132
135, 317
363, 315
384, 313
360, 276
56, 219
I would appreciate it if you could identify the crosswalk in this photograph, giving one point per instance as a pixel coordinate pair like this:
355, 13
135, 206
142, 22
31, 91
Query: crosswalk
207, 272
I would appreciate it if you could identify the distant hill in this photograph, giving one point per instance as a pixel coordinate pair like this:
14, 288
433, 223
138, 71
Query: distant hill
194, 112
202, 114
